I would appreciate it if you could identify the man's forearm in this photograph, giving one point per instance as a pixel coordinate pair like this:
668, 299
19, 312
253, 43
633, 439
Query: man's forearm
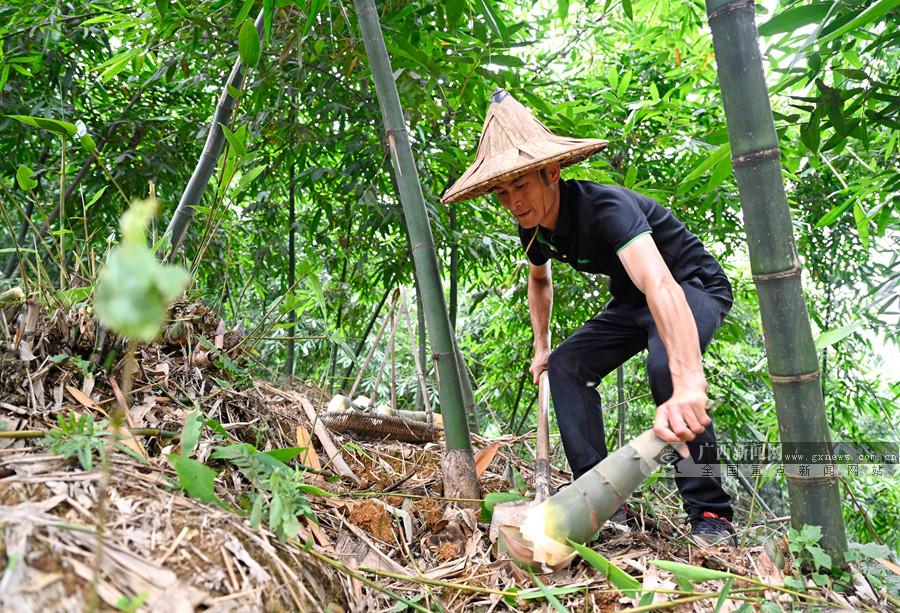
540, 305
678, 331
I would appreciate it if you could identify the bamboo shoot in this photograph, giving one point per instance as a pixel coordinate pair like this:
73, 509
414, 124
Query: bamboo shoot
578, 511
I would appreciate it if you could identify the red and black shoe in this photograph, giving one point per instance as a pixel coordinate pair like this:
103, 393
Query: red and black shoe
710, 530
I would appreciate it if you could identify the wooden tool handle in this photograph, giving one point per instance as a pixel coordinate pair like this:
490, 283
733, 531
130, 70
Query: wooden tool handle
542, 461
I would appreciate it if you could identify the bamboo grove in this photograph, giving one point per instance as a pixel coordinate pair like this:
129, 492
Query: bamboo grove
313, 175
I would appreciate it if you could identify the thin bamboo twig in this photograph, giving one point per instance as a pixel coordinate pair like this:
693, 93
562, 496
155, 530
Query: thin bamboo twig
861, 510
420, 373
340, 566
27, 434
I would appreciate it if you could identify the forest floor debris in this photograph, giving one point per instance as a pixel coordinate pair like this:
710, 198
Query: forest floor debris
377, 536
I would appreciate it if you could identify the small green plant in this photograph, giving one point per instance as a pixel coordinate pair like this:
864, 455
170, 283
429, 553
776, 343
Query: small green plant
135, 289
78, 436
84, 365
804, 546
239, 377
283, 493
279, 491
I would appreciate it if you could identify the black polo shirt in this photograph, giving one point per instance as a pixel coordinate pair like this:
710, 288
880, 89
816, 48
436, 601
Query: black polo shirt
596, 221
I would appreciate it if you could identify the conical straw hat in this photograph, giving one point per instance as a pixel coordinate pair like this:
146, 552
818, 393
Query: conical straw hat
513, 143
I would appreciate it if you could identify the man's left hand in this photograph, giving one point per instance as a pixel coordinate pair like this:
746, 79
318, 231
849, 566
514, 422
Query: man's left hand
683, 416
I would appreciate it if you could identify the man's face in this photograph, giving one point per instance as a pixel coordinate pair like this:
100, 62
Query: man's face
528, 198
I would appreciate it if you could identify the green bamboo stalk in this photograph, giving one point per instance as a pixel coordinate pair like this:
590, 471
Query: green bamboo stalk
292, 259
578, 511
622, 403
793, 364
468, 394
459, 464
215, 140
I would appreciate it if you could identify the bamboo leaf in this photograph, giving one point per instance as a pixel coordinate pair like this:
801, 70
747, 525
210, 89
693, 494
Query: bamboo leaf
624, 83
74, 295
493, 499
95, 197
630, 176
248, 178
700, 169
454, 12
720, 172
197, 479
268, 8
628, 585
485, 456
723, 595
831, 216
809, 133
834, 107
63, 128
553, 600
87, 143
627, 8
314, 7
234, 141
836, 335
230, 452
162, 6
24, 178
315, 491
116, 59
248, 44
794, 18
692, 573
243, 12
612, 75
190, 432
874, 11
862, 224
493, 19
118, 67
285, 454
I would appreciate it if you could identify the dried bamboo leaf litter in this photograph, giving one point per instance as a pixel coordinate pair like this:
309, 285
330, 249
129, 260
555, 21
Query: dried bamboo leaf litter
385, 528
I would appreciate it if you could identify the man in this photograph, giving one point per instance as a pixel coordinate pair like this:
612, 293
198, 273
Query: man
669, 296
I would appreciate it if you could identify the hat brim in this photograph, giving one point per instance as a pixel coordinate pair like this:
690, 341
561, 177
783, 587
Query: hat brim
465, 189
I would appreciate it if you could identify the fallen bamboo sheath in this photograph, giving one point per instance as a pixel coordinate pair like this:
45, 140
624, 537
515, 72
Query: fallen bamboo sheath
578, 511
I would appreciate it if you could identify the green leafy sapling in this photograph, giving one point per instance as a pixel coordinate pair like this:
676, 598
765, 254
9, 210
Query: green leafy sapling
132, 299
804, 545
134, 291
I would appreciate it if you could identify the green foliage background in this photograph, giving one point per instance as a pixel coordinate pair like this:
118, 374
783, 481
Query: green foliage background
143, 77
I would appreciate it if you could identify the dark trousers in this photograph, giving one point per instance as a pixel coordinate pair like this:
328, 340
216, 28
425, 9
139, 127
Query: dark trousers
576, 367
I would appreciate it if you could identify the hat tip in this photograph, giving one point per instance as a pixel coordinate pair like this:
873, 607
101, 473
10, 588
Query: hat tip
499, 95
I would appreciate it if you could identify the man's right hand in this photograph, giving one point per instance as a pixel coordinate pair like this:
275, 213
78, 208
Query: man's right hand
539, 364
